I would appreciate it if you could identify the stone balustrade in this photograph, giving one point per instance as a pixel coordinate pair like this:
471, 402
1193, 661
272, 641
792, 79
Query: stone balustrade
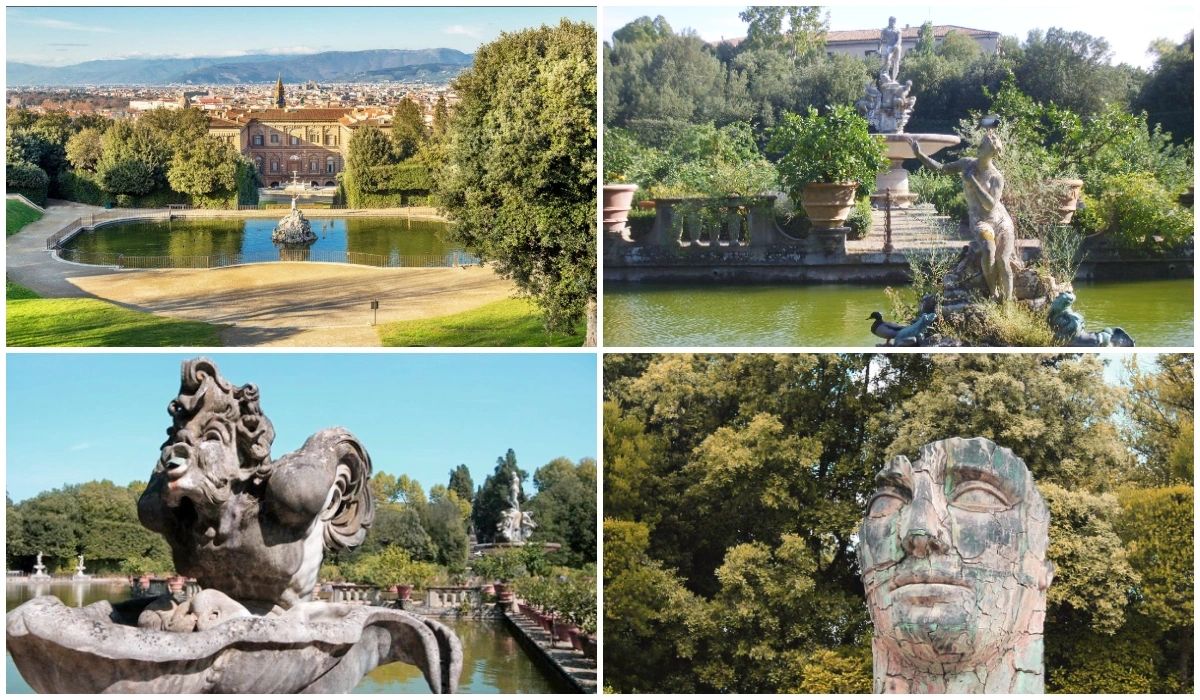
442, 597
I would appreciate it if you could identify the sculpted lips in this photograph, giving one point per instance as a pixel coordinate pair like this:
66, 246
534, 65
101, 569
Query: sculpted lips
928, 587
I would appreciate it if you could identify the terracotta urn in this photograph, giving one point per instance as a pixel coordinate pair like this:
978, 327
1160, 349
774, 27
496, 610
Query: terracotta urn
589, 646
403, 592
504, 593
175, 583
618, 200
488, 589
1069, 200
828, 203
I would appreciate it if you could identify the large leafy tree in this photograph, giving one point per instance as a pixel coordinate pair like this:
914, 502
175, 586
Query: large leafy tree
565, 508
207, 166
519, 171
802, 39
408, 128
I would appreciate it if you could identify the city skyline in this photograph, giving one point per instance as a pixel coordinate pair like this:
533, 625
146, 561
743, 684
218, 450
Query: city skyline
417, 414
61, 36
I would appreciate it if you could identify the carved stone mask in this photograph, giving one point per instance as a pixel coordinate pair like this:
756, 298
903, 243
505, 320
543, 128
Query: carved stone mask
953, 555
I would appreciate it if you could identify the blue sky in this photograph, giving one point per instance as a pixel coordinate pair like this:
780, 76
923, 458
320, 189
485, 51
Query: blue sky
84, 416
67, 35
1129, 31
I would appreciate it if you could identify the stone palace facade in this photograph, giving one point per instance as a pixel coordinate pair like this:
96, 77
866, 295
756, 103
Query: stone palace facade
307, 143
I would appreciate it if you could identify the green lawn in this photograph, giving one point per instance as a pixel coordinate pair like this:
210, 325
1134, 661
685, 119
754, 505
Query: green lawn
18, 215
508, 323
33, 321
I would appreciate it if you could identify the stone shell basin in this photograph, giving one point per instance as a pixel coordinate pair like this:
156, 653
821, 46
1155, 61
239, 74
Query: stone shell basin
311, 648
898, 151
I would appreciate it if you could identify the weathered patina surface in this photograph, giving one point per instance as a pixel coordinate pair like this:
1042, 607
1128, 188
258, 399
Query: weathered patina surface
954, 565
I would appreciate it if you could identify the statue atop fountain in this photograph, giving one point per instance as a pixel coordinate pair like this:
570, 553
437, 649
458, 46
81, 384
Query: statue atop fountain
887, 105
39, 569
954, 566
293, 229
252, 531
79, 569
515, 525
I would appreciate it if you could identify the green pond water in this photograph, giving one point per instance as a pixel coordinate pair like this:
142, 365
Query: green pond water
389, 238
493, 660
1157, 313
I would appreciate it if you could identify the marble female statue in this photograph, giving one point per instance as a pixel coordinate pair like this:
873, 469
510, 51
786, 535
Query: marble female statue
954, 566
990, 223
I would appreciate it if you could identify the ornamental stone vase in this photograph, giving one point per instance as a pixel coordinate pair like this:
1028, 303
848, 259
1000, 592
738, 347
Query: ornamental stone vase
828, 203
1069, 201
618, 200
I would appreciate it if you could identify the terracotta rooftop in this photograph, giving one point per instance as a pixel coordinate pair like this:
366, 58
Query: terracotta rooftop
303, 114
939, 31
219, 123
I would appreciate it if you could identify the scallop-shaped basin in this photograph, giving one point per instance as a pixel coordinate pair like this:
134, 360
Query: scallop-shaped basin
311, 648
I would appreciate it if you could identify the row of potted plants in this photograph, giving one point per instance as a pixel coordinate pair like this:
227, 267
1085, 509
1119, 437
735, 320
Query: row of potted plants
822, 160
564, 606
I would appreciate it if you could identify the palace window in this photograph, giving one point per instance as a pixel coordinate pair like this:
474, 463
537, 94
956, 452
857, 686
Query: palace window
258, 164
328, 140
295, 141
312, 166
258, 139
274, 138
274, 166
329, 164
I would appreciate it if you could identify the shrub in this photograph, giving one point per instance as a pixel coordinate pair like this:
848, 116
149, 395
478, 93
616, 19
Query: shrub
81, 186
1137, 213
942, 190
859, 220
836, 147
27, 179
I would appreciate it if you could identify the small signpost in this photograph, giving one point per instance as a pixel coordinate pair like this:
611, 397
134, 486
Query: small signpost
374, 311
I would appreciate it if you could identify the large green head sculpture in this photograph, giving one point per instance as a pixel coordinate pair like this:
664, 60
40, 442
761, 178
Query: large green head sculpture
953, 557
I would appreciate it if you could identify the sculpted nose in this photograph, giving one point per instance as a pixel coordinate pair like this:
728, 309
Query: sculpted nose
923, 534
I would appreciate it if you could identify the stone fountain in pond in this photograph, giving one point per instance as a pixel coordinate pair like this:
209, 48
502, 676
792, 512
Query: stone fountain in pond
252, 531
887, 105
953, 559
293, 229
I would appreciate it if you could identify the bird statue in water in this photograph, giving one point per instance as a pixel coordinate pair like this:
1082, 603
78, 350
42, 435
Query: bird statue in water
883, 329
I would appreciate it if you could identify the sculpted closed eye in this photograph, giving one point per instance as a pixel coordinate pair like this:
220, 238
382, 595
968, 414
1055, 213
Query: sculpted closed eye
884, 504
978, 496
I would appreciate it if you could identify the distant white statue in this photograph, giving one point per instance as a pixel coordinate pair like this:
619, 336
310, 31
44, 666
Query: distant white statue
515, 525
39, 569
891, 46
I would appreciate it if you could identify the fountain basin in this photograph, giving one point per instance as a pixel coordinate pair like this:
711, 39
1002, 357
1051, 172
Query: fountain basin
896, 177
312, 647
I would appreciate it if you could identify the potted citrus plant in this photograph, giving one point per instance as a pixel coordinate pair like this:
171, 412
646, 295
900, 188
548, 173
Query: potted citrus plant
824, 158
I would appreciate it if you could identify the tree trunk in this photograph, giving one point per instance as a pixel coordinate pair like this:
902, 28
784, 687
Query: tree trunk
589, 341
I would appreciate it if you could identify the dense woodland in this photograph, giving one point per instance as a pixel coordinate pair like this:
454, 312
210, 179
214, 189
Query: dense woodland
734, 485
99, 520
684, 117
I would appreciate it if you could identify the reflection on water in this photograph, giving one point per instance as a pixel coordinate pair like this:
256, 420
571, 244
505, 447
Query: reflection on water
493, 661
252, 237
1155, 313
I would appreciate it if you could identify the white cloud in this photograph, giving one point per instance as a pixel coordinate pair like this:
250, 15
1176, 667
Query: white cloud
64, 25
78, 447
473, 32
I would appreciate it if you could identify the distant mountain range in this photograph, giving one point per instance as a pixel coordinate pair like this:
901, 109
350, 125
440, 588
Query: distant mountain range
429, 65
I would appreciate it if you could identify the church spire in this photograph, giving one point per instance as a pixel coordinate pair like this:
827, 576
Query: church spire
279, 101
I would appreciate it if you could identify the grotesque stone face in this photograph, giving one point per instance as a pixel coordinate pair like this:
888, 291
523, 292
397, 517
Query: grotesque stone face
218, 437
953, 555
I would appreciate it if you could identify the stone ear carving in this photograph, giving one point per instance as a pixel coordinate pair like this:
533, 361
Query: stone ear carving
350, 507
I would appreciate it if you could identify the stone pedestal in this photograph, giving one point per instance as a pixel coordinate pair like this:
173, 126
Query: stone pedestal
831, 241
